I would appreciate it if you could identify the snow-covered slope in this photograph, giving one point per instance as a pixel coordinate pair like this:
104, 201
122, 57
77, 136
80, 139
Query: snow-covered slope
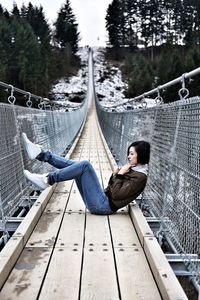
109, 85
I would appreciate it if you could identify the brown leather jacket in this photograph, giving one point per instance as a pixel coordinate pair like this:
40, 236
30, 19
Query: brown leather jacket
122, 189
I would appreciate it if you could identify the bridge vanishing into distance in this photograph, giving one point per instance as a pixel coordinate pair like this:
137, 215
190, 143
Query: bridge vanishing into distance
53, 248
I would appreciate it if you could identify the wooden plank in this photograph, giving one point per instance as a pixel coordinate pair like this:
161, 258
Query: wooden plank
63, 187
63, 277
167, 282
123, 232
9, 256
97, 233
25, 279
105, 166
98, 275
142, 228
57, 203
14, 247
72, 230
164, 275
46, 230
135, 279
75, 203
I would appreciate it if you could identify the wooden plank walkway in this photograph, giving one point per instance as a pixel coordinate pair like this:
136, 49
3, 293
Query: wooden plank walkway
72, 254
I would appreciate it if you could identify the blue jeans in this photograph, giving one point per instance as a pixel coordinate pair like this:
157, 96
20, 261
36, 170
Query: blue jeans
86, 180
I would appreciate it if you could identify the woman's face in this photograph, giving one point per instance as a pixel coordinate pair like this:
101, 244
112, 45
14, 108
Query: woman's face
132, 157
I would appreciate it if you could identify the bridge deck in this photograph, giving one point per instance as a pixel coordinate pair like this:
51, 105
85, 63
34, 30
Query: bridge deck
72, 254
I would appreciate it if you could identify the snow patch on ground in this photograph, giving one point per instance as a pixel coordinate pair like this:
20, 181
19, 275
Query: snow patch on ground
109, 85
108, 81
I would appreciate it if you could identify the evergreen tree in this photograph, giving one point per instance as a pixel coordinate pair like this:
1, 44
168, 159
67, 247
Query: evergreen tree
140, 77
172, 11
170, 67
25, 57
187, 21
191, 62
152, 29
197, 21
5, 41
6, 14
113, 23
131, 17
36, 18
163, 65
1, 10
121, 23
15, 11
122, 18
177, 26
66, 28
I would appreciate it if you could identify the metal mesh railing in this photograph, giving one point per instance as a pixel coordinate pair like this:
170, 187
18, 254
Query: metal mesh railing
173, 188
54, 130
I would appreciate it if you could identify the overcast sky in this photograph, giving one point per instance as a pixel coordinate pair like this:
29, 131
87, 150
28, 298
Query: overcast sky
90, 15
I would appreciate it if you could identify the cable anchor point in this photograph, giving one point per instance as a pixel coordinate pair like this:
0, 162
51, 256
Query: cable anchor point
183, 92
144, 103
29, 102
159, 99
11, 98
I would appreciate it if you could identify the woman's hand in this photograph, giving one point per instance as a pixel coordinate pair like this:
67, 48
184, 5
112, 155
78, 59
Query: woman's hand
124, 169
116, 170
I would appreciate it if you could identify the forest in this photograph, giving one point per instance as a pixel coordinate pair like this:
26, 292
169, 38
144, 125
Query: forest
152, 41
32, 54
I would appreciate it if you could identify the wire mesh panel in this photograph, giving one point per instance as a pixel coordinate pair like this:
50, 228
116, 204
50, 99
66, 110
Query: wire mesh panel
11, 172
53, 130
121, 129
173, 187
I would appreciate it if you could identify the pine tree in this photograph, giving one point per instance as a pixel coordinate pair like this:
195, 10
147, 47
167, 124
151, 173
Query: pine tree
25, 57
66, 28
1, 10
197, 21
5, 42
36, 18
140, 77
132, 24
6, 14
187, 21
15, 11
113, 23
177, 26
152, 30
171, 66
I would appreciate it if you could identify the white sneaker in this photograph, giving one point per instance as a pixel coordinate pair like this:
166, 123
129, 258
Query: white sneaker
40, 181
33, 150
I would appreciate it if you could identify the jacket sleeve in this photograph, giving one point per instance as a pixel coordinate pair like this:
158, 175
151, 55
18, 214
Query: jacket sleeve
122, 188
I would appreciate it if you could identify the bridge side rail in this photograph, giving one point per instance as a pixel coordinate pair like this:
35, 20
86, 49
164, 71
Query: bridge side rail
173, 188
55, 130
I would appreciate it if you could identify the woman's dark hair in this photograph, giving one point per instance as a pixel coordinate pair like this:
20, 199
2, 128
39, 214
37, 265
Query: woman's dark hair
143, 151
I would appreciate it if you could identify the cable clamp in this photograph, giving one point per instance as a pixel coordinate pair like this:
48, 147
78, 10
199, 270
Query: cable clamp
11, 98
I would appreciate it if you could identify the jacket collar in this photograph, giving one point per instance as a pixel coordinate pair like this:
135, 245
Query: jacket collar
141, 169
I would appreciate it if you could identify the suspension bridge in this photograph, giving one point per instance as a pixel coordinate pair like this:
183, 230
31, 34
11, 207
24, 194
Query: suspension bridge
53, 248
